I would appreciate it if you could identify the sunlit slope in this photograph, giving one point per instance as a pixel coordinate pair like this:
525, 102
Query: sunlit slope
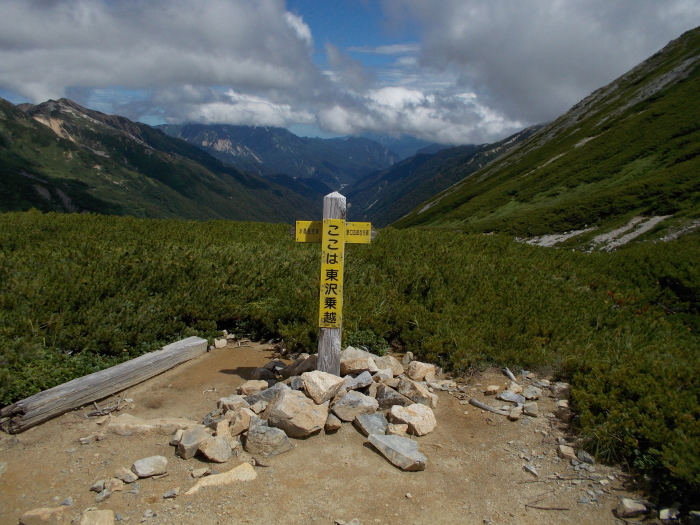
59, 156
386, 196
630, 148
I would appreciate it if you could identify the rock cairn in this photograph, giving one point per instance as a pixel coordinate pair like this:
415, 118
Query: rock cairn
383, 400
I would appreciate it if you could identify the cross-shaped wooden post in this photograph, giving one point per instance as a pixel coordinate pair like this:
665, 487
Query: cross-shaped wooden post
333, 233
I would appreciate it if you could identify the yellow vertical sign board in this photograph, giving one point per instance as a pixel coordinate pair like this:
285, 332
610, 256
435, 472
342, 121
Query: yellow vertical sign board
332, 259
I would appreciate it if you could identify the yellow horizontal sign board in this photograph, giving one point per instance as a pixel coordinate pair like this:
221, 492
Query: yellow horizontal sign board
355, 232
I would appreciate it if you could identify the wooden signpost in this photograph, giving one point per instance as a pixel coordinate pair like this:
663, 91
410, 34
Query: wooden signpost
333, 233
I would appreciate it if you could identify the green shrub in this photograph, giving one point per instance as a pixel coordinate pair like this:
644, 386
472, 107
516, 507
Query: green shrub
80, 293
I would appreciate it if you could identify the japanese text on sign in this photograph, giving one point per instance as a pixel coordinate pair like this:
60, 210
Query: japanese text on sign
332, 257
355, 232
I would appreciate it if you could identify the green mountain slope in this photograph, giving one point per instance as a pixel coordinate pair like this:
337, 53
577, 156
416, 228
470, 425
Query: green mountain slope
269, 150
630, 148
59, 156
386, 196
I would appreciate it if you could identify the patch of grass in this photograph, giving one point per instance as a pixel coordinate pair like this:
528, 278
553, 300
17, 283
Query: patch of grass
79, 293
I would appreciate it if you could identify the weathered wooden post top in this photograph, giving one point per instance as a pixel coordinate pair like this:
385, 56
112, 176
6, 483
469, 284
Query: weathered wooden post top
333, 233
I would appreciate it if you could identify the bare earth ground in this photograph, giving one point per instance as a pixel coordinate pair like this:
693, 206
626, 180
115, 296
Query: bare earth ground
475, 465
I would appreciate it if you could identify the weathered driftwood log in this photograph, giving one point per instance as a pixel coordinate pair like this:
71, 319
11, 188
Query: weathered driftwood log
60, 399
482, 406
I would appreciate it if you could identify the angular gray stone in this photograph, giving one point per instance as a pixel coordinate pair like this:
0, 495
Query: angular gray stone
305, 363
172, 494
532, 392
530, 409
382, 375
629, 508
560, 390
266, 395
295, 383
189, 443
177, 436
268, 441
419, 418
216, 449
152, 466
407, 358
396, 430
103, 496
354, 404
584, 456
333, 423
371, 424
669, 514
296, 414
415, 392
125, 475
321, 386
419, 371
275, 366
361, 381
393, 382
515, 413
232, 403
357, 365
355, 353
388, 361
511, 397
99, 485
531, 469
401, 452
252, 386
387, 397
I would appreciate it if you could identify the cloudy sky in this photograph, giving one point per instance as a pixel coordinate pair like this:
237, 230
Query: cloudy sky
449, 71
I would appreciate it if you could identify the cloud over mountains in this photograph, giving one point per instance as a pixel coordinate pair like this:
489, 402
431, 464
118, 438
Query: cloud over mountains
476, 70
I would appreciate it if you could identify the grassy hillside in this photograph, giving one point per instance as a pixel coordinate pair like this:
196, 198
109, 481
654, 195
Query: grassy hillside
82, 292
386, 196
630, 148
59, 156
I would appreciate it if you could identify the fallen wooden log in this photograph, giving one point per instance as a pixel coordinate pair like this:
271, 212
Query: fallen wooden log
60, 399
482, 406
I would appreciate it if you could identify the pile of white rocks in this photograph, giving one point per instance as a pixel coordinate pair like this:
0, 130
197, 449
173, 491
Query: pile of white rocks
384, 400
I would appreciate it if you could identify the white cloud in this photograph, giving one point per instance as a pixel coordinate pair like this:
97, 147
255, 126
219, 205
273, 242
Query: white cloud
48, 47
245, 109
533, 59
478, 71
437, 117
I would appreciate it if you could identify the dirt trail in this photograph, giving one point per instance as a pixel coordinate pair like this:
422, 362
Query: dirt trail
475, 467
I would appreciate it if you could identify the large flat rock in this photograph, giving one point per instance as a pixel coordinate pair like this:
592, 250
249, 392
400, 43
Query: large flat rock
400, 451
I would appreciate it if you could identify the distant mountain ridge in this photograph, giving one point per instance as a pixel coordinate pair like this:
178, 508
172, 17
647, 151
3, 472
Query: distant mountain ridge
59, 156
271, 151
630, 149
404, 146
386, 196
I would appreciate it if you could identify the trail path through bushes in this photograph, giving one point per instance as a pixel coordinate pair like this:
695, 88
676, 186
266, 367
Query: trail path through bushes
475, 465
